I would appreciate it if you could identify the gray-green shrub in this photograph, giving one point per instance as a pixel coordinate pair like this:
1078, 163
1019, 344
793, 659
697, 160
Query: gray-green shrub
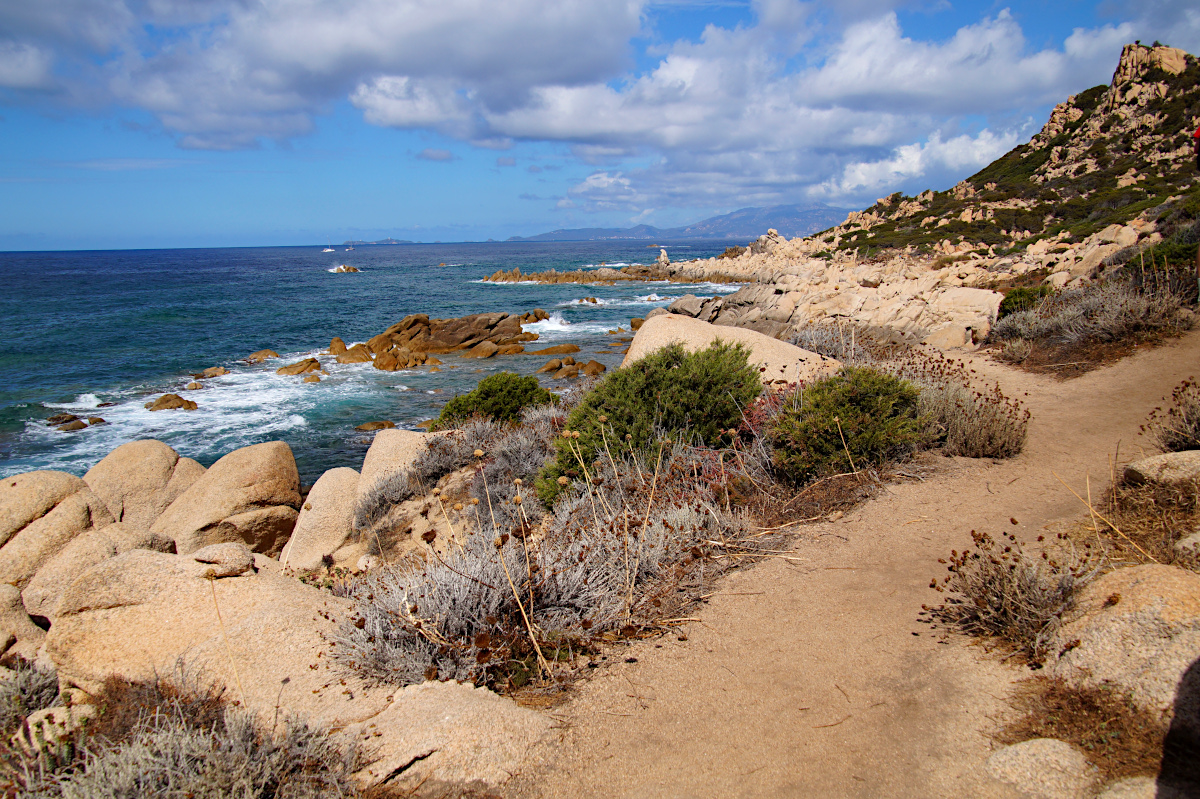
857, 418
670, 390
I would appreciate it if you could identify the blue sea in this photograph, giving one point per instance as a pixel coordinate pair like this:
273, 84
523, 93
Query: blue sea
101, 333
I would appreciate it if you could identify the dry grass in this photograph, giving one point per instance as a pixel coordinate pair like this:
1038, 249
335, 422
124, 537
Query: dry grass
1118, 737
1077, 330
1000, 593
1178, 426
1142, 523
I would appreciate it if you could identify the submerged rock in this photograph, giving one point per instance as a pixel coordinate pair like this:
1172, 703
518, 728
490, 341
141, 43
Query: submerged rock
171, 402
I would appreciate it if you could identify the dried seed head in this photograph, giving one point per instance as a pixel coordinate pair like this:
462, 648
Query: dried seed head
458, 506
629, 436
474, 500
575, 435
518, 481
603, 418
562, 481
517, 499
437, 492
497, 542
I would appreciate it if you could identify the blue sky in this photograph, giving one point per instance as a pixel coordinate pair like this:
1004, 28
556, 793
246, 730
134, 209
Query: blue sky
182, 123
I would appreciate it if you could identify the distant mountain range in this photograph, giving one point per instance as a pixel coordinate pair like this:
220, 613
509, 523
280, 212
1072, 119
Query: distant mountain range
747, 223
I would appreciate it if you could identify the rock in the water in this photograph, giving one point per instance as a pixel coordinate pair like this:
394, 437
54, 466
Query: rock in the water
95, 420
343, 269
510, 349
61, 418
193, 386
558, 349
1045, 768
138, 480
42, 593
593, 368
248, 495
1169, 467
311, 379
261, 355
34, 526
553, 365
215, 371
300, 367
1136, 629
171, 402
325, 522
78, 424
636, 322
366, 427
389, 361
484, 349
688, 305
336, 346
356, 354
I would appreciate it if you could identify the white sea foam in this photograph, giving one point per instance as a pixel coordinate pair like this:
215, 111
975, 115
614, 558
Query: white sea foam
557, 327
82, 403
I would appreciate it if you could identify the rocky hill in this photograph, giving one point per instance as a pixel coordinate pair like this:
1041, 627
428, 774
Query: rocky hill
793, 220
1106, 156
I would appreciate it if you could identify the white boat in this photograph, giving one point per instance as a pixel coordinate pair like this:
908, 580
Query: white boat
348, 249
327, 249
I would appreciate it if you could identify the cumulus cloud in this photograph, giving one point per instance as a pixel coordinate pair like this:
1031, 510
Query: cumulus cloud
810, 99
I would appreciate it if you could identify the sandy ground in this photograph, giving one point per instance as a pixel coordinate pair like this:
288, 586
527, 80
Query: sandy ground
805, 678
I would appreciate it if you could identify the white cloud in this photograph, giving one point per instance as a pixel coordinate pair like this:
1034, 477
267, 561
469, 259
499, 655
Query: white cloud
434, 154
23, 66
817, 98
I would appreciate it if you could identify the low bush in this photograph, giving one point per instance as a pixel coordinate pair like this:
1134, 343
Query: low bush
999, 592
703, 392
971, 423
858, 418
500, 398
1022, 299
1178, 427
166, 739
28, 689
1099, 312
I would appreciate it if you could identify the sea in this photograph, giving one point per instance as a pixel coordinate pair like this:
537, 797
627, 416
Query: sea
98, 334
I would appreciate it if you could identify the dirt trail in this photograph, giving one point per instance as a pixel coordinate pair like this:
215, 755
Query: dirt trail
805, 678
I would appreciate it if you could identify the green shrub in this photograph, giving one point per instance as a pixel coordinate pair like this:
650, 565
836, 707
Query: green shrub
667, 391
859, 413
1022, 299
499, 398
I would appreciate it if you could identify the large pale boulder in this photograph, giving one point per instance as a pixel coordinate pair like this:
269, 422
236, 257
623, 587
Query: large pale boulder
30, 496
240, 621
38, 529
1045, 768
94, 546
1137, 629
138, 614
249, 495
138, 480
450, 733
777, 360
1167, 468
20, 636
391, 451
325, 522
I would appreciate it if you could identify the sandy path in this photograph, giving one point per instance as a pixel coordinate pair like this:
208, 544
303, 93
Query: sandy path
805, 679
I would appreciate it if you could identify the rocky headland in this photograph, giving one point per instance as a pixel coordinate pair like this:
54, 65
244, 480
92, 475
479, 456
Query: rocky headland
150, 562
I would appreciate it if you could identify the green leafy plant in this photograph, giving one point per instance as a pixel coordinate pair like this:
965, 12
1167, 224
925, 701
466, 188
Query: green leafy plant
669, 390
500, 398
859, 417
1022, 299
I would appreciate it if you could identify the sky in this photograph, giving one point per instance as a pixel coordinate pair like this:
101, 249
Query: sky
209, 123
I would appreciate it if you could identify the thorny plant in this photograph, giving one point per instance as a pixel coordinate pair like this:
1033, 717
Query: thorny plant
998, 591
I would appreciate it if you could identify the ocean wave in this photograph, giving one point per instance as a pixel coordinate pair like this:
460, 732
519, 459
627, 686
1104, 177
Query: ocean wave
648, 299
557, 326
83, 402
